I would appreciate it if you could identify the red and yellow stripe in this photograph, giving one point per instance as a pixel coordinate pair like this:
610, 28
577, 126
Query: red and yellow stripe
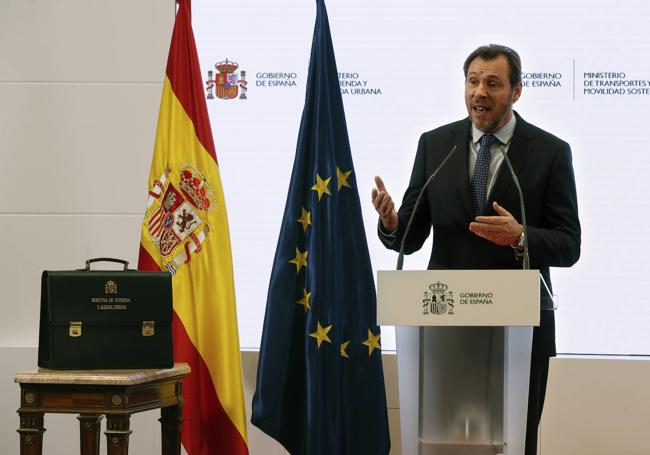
205, 320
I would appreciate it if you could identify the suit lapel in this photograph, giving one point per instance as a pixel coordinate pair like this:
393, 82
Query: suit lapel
518, 152
459, 167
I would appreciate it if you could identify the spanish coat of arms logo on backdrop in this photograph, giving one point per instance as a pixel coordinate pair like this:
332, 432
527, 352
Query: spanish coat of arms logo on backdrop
226, 82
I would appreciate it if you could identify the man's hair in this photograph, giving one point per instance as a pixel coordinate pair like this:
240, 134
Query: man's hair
492, 51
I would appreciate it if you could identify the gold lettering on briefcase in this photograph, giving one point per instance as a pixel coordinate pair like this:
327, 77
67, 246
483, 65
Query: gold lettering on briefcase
111, 287
111, 303
148, 328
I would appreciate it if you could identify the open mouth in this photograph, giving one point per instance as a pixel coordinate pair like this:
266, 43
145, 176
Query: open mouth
481, 109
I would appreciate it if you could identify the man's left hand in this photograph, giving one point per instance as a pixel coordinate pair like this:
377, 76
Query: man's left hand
502, 229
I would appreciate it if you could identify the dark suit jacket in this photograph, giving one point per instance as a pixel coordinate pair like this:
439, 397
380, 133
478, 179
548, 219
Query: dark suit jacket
542, 163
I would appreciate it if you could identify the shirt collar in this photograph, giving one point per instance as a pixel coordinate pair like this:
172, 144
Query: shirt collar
503, 134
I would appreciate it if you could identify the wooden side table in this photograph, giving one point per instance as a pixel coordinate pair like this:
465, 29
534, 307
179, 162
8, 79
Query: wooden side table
94, 393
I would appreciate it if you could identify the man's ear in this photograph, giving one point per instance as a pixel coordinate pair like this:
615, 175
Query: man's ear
516, 92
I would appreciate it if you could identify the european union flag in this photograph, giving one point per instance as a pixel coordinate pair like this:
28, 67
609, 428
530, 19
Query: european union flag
320, 383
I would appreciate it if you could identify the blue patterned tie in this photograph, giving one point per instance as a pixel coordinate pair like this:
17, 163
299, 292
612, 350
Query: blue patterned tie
479, 181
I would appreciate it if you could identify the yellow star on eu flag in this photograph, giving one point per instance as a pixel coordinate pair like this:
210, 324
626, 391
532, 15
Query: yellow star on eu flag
344, 346
321, 334
305, 299
305, 219
372, 342
342, 178
321, 186
300, 260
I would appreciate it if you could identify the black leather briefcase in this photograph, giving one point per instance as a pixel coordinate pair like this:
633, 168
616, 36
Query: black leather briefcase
101, 319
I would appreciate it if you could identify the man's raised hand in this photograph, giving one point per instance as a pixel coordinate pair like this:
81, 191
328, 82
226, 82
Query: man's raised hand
384, 206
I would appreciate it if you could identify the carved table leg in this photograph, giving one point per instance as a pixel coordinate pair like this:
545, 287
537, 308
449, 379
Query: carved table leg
170, 424
31, 433
89, 426
117, 434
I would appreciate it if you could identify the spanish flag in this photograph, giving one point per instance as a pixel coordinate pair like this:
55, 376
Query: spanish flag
185, 231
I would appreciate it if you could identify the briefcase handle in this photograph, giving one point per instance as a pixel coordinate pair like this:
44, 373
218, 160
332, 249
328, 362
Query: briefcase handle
119, 261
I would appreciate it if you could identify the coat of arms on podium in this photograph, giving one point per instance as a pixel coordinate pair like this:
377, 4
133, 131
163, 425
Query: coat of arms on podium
438, 300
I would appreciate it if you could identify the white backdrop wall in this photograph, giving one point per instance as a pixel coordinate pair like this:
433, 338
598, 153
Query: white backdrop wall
80, 86
586, 80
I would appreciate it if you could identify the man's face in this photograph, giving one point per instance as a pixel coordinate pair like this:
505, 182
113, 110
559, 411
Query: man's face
488, 94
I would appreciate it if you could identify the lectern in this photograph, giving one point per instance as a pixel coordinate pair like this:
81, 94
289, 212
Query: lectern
464, 341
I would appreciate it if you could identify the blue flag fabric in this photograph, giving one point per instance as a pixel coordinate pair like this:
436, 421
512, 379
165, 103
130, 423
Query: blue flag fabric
320, 384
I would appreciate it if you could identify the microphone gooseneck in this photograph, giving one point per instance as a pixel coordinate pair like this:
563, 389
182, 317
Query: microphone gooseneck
526, 259
400, 258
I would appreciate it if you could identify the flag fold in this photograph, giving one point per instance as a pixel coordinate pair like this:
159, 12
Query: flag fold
185, 231
320, 386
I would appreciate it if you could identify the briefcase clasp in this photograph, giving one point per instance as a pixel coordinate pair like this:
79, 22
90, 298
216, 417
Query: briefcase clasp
74, 329
148, 328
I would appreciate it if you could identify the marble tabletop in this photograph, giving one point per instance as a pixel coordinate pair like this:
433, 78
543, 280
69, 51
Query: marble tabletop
99, 377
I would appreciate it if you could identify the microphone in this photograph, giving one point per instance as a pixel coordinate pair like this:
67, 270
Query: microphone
526, 258
400, 258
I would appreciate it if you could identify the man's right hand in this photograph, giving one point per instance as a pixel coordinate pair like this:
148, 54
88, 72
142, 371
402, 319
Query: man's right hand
384, 206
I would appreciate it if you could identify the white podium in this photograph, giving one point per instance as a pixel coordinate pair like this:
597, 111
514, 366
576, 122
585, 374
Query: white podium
463, 356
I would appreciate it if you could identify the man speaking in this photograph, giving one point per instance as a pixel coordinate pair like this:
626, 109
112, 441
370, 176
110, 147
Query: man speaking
473, 204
